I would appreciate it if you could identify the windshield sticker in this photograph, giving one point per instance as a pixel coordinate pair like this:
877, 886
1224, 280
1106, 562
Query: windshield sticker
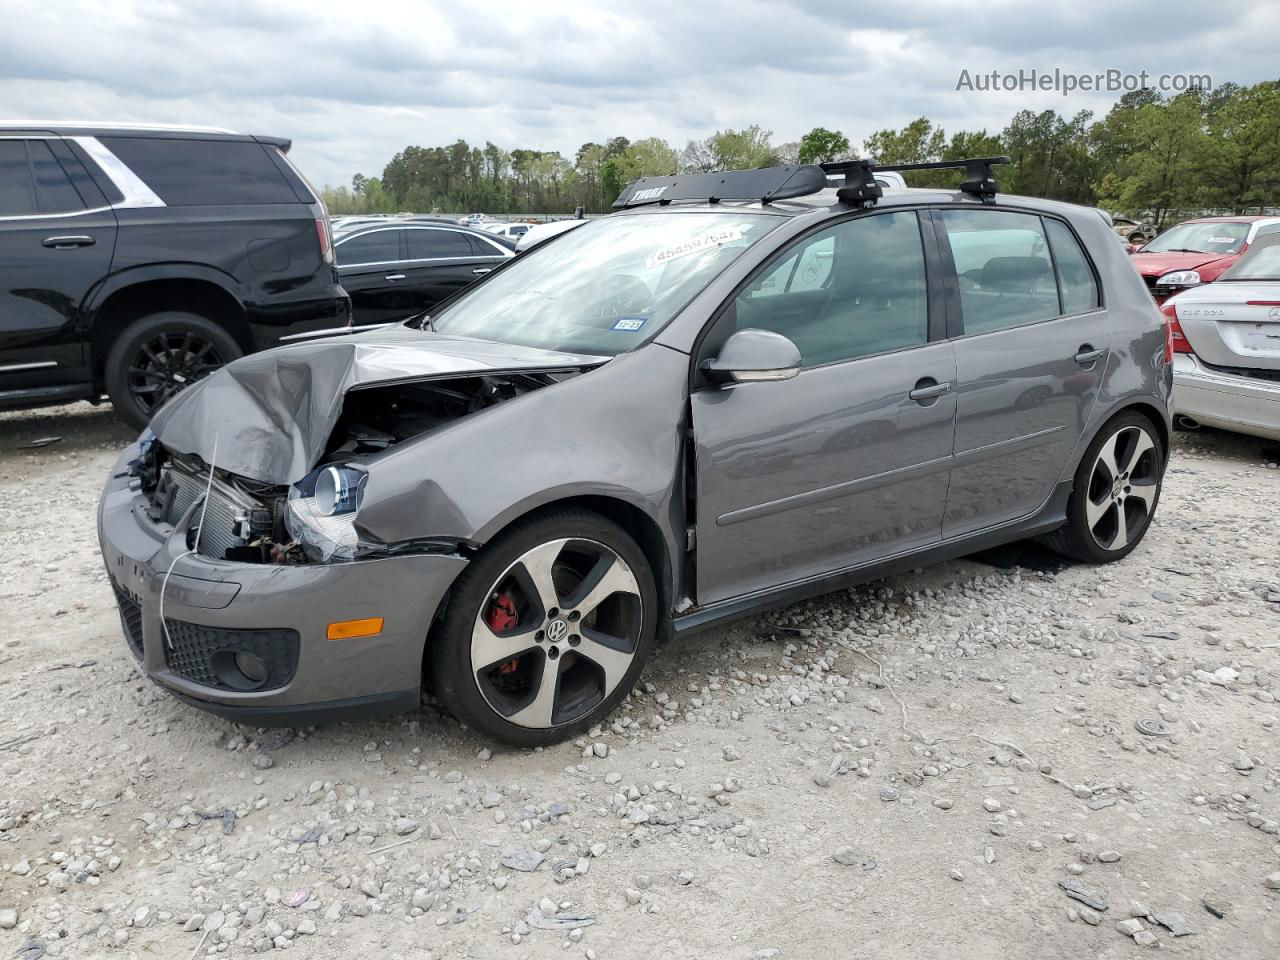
1222, 239
715, 238
629, 324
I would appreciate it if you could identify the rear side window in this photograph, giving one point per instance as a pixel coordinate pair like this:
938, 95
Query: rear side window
431, 244
33, 182
1003, 264
185, 173
54, 190
1075, 277
17, 188
381, 246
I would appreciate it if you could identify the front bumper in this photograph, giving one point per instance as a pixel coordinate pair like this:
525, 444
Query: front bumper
1224, 400
323, 679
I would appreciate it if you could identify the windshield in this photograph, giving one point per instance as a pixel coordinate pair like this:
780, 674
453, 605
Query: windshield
607, 286
1260, 263
1218, 238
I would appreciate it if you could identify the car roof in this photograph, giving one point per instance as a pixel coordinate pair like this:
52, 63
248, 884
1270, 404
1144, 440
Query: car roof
827, 200
158, 131
1241, 219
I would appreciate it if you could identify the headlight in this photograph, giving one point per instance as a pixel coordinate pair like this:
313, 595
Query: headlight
1179, 278
338, 490
321, 512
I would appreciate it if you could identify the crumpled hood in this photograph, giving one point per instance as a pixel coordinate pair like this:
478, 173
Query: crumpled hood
271, 414
1158, 264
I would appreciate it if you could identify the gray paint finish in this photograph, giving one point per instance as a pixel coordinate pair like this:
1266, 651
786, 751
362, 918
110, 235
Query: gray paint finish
835, 470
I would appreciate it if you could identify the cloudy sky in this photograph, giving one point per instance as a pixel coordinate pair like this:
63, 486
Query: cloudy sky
351, 83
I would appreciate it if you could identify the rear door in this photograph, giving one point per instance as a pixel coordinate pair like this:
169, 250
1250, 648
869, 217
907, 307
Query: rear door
442, 261
847, 462
1032, 338
57, 235
372, 268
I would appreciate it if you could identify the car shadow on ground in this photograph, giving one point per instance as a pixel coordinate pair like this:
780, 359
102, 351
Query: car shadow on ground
75, 427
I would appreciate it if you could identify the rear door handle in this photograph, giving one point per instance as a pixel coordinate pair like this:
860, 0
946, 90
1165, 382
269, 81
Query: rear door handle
1087, 354
928, 389
68, 243
480, 270
394, 276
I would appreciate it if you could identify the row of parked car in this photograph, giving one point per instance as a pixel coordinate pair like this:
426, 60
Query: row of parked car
134, 261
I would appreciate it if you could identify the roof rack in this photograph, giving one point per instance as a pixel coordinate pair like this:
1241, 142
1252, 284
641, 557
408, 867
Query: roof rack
790, 180
978, 178
765, 185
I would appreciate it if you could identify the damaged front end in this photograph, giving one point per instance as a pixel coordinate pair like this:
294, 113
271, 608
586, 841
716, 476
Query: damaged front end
233, 517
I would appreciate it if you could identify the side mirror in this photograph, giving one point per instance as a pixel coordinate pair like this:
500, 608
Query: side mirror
749, 356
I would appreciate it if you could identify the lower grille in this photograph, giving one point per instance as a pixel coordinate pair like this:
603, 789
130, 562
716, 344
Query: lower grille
130, 618
207, 655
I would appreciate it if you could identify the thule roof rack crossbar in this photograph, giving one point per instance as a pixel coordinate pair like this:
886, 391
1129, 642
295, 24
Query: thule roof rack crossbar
978, 178
765, 185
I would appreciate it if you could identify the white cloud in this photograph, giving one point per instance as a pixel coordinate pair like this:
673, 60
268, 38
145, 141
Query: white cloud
351, 84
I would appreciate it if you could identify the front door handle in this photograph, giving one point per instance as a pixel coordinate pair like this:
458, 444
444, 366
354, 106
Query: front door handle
1087, 354
394, 276
928, 389
68, 243
480, 270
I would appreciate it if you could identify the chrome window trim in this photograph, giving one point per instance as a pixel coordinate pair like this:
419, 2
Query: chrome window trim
136, 192
499, 249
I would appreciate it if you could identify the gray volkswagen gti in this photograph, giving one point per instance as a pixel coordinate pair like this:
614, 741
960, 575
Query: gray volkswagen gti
740, 390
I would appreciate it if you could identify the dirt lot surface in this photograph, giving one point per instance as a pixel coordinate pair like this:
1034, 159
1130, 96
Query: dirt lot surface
913, 769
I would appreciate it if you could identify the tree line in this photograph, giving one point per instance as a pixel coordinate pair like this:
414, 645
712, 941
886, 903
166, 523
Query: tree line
1151, 156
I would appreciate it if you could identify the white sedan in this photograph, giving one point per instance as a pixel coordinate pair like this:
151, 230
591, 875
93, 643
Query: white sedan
1226, 347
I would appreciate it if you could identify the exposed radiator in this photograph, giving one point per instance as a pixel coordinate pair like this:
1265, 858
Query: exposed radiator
226, 516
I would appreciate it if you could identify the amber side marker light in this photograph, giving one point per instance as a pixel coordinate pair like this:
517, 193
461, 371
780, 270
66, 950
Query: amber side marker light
352, 629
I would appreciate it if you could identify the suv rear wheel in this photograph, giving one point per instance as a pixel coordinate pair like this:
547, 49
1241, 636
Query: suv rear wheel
547, 629
1117, 487
158, 356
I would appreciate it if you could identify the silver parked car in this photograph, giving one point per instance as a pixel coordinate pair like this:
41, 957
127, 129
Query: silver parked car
1226, 347
741, 390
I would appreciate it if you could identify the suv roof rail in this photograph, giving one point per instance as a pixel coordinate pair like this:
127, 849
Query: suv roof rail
766, 184
101, 125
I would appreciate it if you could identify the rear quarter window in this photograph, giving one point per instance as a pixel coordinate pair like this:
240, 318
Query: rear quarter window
204, 172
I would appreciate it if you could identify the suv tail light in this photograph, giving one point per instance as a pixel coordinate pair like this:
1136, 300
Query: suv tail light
1175, 341
326, 244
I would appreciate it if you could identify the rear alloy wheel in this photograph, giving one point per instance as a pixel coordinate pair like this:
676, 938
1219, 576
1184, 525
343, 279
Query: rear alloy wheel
1116, 491
548, 630
159, 356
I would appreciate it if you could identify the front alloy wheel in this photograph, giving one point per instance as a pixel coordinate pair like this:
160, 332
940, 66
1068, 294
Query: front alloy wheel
547, 629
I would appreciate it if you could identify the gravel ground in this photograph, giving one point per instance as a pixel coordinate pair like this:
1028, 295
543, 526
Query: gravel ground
913, 769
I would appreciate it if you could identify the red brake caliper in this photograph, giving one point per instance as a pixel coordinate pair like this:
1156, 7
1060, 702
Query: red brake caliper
501, 617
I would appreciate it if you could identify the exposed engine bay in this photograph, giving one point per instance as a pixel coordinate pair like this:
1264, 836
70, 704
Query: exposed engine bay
247, 521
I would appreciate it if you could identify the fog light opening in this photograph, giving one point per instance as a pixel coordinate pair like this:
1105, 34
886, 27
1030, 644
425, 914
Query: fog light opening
240, 670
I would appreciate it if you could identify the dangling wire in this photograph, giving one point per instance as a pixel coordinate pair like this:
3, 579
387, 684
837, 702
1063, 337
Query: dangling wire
208, 489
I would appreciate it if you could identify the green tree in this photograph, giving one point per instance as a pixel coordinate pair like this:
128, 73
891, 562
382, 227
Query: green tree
1240, 164
745, 149
918, 142
821, 145
1157, 175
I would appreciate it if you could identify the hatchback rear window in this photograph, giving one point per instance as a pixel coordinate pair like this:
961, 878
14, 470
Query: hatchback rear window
185, 173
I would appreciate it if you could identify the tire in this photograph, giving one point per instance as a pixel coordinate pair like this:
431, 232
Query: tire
1106, 519
159, 355
491, 649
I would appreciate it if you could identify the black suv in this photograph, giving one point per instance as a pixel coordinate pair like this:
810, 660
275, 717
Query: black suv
134, 261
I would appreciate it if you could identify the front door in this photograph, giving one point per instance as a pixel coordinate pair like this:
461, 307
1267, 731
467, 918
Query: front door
1031, 350
55, 246
842, 464
442, 261
372, 270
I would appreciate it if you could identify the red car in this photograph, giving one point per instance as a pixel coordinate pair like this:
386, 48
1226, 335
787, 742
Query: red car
1197, 251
